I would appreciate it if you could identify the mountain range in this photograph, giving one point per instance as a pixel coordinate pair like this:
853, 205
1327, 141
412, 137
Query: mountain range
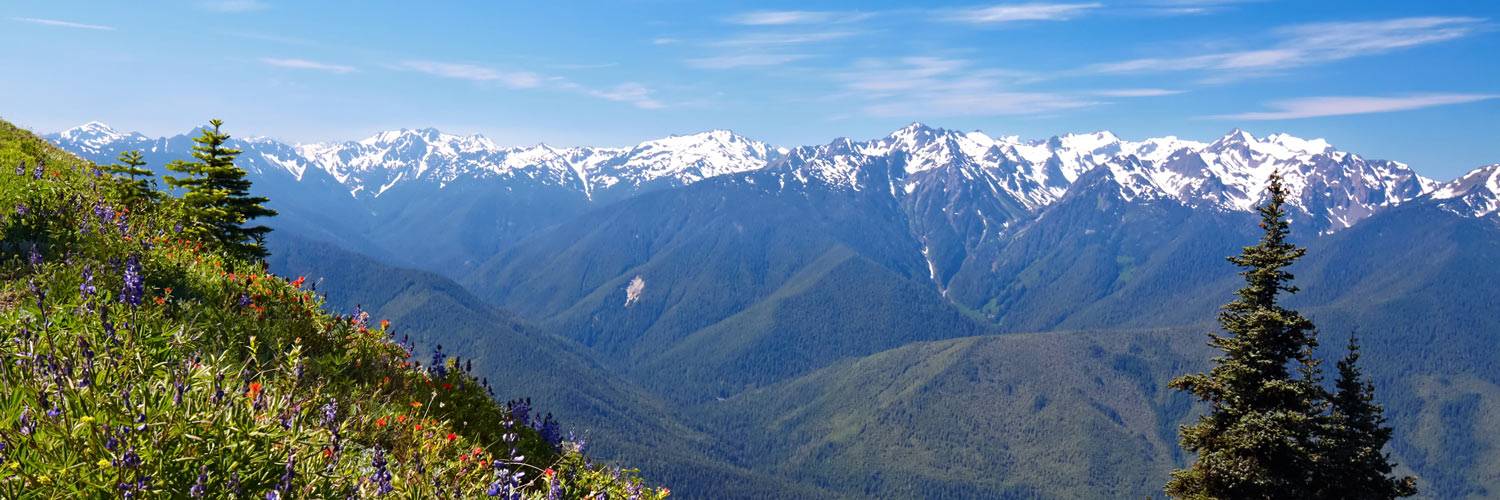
932, 310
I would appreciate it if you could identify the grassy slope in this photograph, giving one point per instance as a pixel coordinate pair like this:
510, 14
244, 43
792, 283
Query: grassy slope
221, 377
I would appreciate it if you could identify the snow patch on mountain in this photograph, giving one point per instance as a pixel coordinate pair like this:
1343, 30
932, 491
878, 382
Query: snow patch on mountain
1475, 194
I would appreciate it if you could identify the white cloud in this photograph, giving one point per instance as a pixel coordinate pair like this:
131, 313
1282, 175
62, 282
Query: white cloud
783, 17
662, 40
744, 60
294, 63
1310, 44
1146, 92
1188, 7
630, 92
775, 39
936, 87
1009, 13
63, 24
234, 5
1312, 107
471, 72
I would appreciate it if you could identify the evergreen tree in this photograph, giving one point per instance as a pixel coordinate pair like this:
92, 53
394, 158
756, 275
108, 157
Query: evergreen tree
140, 184
1259, 439
1355, 434
218, 196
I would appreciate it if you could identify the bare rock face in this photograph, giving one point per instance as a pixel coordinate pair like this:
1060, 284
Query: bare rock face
633, 290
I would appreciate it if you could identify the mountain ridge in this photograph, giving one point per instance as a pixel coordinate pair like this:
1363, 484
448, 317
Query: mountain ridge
1334, 188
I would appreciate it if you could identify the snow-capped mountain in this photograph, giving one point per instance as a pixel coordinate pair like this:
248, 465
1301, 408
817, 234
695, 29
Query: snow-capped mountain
1476, 193
95, 137
376, 164
1334, 189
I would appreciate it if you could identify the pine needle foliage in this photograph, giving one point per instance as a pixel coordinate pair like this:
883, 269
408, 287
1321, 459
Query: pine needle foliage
218, 196
1354, 438
1259, 439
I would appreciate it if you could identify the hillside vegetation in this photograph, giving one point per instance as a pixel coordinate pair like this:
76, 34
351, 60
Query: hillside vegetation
142, 361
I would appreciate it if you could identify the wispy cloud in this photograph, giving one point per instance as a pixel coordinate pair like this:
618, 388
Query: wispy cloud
1309, 44
1146, 92
744, 60
630, 92
663, 40
633, 93
472, 72
294, 63
786, 17
585, 65
1187, 7
233, 6
775, 39
1010, 13
1313, 107
932, 86
63, 24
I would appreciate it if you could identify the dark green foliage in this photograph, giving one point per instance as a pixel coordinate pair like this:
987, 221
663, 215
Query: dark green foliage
1354, 440
218, 195
1259, 438
140, 182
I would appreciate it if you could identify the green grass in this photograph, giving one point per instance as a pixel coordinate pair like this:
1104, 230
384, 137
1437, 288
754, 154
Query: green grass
222, 378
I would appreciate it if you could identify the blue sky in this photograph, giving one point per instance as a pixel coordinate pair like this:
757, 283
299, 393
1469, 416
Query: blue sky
1410, 81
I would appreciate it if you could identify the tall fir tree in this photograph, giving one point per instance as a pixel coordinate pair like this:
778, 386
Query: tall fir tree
218, 196
1259, 439
140, 182
1354, 437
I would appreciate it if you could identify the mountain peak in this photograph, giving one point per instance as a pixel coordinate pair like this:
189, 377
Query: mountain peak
94, 134
1236, 136
92, 128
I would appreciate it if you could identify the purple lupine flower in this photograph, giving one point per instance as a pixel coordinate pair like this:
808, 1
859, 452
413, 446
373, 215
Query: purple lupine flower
234, 484
178, 388
554, 487
52, 411
24, 424
202, 484
520, 410
331, 414
439, 366
135, 288
87, 289
244, 301
131, 459
218, 389
177, 228
104, 212
285, 484
34, 257
21, 168
36, 173
22, 210
549, 430
381, 476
